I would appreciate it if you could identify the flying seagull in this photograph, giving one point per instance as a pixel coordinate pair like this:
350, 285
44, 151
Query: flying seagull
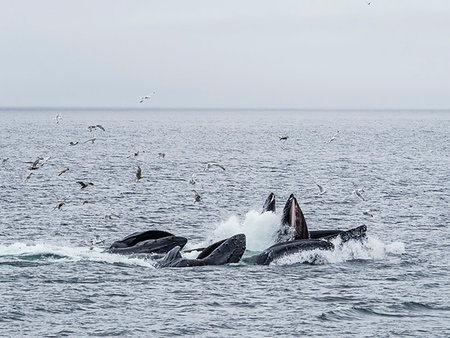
58, 118
84, 185
358, 192
63, 171
34, 166
91, 140
210, 165
4, 159
110, 216
138, 173
162, 155
73, 143
333, 137
368, 212
193, 180
321, 190
197, 197
284, 137
93, 242
91, 128
146, 97
59, 205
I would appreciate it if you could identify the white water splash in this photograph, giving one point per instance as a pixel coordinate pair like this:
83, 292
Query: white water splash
259, 229
18, 250
370, 249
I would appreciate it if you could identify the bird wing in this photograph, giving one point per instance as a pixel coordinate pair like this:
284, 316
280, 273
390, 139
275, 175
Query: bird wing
35, 163
320, 187
218, 165
101, 127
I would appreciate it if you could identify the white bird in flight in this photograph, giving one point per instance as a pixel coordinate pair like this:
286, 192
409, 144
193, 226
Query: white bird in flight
58, 118
333, 137
210, 165
358, 192
146, 97
321, 190
197, 197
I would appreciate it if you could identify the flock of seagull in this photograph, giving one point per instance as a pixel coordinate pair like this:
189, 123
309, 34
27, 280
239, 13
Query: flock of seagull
40, 162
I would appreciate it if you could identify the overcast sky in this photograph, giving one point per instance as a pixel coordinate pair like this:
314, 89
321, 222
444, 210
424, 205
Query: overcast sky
249, 54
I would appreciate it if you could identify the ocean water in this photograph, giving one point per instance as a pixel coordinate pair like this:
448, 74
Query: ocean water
394, 284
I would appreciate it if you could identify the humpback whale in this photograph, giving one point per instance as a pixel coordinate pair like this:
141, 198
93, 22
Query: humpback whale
151, 241
226, 251
297, 237
269, 204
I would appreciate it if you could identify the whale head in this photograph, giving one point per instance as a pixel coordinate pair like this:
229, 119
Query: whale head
269, 204
293, 219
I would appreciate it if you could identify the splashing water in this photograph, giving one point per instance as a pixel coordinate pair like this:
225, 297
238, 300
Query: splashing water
371, 248
260, 229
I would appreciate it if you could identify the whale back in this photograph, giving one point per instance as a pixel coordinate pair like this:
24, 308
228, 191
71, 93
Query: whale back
137, 237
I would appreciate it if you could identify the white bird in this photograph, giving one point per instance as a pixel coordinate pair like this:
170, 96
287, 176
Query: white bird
90, 140
368, 212
146, 97
92, 243
358, 192
210, 165
91, 128
73, 143
110, 216
321, 190
197, 197
333, 137
4, 159
58, 118
192, 180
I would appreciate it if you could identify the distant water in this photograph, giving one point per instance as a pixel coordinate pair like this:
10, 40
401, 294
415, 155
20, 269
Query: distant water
395, 284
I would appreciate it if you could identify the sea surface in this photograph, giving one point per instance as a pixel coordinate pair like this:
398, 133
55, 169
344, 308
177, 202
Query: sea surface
397, 283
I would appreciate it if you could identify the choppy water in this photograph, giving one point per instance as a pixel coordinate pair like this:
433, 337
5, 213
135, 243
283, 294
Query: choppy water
396, 284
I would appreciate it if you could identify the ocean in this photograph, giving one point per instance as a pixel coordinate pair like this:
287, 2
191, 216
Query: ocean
396, 283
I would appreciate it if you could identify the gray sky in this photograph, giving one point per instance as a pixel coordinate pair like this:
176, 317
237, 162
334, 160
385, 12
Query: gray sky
260, 54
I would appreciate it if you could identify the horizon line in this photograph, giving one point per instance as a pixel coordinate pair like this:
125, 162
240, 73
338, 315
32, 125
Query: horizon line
118, 108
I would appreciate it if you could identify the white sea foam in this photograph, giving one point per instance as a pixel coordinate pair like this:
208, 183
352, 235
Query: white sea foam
68, 253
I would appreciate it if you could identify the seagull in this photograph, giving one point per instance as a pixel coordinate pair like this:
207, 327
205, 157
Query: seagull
321, 190
138, 173
284, 138
58, 118
91, 140
110, 216
133, 154
34, 166
28, 176
197, 197
358, 192
209, 165
85, 202
146, 97
91, 128
334, 136
368, 212
73, 143
4, 159
59, 205
84, 185
93, 242
46, 160
162, 155
192, 180
63, 171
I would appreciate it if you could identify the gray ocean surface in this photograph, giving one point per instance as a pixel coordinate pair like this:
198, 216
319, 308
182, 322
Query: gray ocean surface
394, 284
